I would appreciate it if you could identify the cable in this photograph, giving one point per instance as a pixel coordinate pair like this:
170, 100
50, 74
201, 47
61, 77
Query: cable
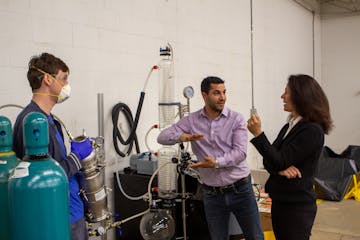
253, 109
252, 54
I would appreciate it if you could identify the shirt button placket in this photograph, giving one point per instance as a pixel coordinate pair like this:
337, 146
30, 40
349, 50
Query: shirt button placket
211, 131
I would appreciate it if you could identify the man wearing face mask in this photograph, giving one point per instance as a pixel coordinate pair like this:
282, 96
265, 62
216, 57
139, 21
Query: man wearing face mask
48, 78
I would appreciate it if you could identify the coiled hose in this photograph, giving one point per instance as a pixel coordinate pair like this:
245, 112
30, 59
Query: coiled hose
122, 107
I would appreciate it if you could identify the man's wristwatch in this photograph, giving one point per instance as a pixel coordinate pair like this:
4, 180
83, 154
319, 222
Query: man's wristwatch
216, 164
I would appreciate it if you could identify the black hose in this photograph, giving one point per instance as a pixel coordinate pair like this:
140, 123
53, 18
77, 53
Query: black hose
122, 107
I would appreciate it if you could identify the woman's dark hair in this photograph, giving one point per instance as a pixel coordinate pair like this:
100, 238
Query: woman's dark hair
310, 100
47, 63
205, 84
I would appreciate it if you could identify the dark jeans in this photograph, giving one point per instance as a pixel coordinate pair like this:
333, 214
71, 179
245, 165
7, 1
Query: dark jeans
79, 230
241, 202
292, 220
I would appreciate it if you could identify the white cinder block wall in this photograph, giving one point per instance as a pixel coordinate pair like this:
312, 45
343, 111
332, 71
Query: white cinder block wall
340, 74
110, 46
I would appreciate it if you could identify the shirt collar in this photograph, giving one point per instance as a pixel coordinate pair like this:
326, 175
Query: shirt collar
225, 112
49, 117
293, 121
33, 103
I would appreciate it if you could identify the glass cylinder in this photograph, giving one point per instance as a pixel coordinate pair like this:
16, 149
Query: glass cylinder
167, 175
167, 108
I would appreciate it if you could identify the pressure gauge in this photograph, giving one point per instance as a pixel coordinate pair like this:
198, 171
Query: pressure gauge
188, 92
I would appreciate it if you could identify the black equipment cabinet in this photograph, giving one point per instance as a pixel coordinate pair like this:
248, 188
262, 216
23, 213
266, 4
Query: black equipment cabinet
135, 185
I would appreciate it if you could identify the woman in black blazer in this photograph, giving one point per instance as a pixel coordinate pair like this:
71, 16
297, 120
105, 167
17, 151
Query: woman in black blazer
292, 158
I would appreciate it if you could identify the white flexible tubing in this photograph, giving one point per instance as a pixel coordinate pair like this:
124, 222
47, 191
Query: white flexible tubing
132, 198
148, 76
118, 223
124, 193
146, 138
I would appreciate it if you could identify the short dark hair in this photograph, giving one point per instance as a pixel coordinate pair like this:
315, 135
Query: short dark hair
205, 84
47, 63
310, 100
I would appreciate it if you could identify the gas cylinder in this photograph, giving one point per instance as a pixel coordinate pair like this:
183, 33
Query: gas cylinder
38, 188
8, 162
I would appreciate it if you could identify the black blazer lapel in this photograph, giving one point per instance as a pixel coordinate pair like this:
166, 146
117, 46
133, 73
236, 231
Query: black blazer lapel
278, 141
293, 131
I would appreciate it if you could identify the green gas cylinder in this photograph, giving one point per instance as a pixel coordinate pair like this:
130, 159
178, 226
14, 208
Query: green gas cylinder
38, 188
8, 162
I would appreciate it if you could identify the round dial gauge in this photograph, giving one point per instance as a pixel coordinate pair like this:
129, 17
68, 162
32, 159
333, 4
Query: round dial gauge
188, 92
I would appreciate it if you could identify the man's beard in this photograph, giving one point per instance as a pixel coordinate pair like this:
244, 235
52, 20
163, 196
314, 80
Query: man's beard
216, 108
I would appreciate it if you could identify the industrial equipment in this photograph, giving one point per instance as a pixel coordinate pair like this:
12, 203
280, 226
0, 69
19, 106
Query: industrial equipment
38, 188
95, 191
157, 224
8, 162
168, 163
161, 200
167, 108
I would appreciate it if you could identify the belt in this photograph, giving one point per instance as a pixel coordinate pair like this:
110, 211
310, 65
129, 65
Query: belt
228, 188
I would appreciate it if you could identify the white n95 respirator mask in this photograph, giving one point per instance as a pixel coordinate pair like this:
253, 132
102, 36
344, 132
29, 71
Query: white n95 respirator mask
64, 93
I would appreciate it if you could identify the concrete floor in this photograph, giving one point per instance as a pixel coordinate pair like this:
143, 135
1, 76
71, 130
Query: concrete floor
337, 221
334, 220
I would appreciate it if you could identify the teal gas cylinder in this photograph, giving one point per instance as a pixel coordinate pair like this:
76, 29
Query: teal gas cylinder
38, 189
8, 162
